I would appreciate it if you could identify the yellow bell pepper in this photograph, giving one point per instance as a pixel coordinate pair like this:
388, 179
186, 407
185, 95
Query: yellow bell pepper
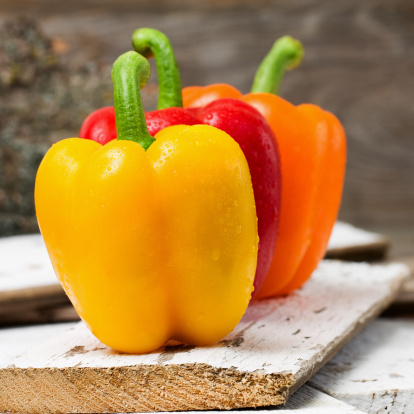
155, 244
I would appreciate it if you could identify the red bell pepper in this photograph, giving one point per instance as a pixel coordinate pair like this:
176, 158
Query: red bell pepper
240, 120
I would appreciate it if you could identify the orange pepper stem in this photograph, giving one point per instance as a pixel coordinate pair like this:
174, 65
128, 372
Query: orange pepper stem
286, 53
131, 72
151, 42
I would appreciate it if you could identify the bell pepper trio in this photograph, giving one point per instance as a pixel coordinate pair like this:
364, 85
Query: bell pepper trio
240, 120
163, 225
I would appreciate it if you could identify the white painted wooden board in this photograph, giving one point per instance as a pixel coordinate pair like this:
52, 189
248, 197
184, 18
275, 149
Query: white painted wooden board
350, 242
306, 400
277, 346
24, 262
345, 235
14, 341
29, 289
375, 371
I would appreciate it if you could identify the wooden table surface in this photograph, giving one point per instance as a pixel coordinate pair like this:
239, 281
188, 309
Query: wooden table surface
356, 380
371, 374
308, 400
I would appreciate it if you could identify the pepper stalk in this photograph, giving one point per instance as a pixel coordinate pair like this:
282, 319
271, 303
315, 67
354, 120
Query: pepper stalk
149, 43
286, 54
130, 73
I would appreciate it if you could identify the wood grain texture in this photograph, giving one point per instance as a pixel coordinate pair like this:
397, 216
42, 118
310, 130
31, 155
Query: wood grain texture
307, 400
278, 345
375, 371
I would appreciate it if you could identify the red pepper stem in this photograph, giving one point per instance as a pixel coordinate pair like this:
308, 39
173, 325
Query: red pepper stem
151, 42
130, 73
286, 53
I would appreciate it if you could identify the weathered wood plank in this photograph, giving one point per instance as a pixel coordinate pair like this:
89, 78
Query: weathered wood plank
404, 302
277, 346
29, 289
21, 300
306, 400
311, 401
39, 315
406, 297
348, 242
14, 341
374, 372
24, 263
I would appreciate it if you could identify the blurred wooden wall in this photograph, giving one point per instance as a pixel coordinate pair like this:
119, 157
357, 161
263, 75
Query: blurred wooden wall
359, 64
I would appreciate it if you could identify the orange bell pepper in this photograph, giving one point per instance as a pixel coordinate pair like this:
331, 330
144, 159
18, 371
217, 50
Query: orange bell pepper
312, 148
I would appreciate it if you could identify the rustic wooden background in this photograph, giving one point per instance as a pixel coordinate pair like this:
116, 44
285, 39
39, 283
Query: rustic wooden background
359, 64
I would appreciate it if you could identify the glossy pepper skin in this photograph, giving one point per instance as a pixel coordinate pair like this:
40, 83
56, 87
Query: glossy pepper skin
241, 121
155, 244
312, 145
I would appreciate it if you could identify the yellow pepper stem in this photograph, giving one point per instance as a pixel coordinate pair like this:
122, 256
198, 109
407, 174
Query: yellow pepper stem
130, 73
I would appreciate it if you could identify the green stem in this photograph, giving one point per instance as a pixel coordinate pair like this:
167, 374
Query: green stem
286, 53
130, 73
151, 42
